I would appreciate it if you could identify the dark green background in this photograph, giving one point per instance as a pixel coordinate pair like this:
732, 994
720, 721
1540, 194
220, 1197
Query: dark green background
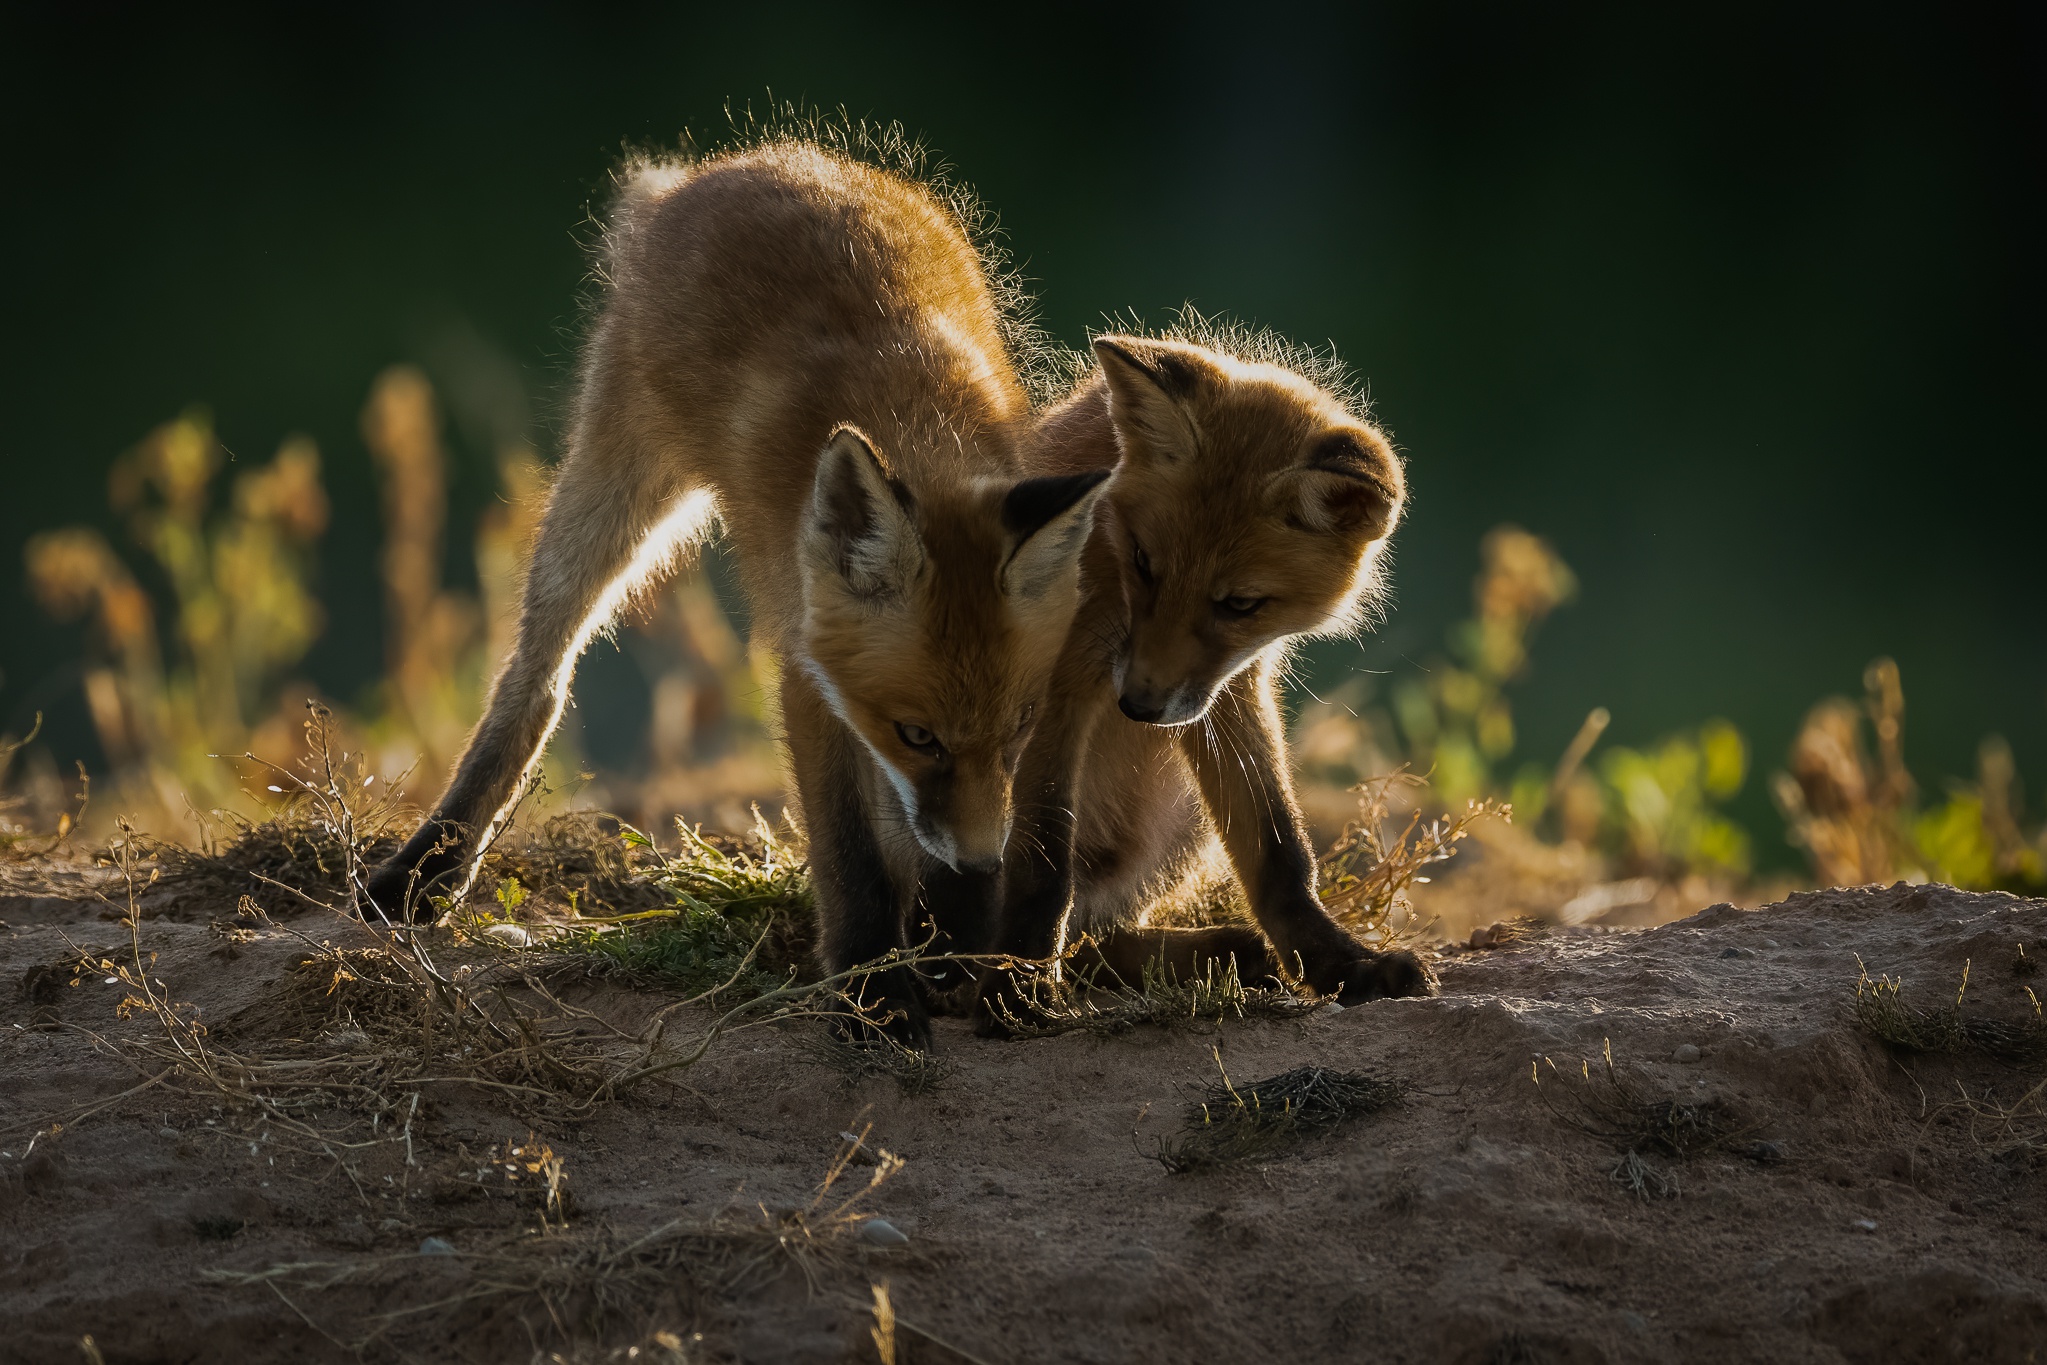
1741, 307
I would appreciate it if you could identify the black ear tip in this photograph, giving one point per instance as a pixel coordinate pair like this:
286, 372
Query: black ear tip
1030, 504
849, 439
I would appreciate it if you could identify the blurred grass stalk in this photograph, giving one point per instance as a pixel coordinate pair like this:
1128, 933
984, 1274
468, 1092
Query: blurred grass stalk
1618, 835
182, 681
204, 664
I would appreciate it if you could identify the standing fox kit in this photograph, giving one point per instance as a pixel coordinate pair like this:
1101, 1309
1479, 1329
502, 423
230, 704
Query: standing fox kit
807, 350
1248, 509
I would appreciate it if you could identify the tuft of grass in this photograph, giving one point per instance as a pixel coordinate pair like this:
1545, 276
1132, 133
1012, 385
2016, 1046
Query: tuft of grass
333, 821
1647, 1128
1161, 998
1232, 1123
729, 911
1881, 1011
915, 1072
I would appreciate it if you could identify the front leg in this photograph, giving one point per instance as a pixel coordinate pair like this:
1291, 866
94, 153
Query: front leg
954, 912
1240, 761
858, 913
1038, 878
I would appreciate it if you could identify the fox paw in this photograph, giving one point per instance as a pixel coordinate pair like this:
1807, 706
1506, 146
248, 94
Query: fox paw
1375, 976
895, 1016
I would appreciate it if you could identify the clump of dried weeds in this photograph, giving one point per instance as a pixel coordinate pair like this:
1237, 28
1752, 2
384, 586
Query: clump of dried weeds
1650, 1129
1232, 1123
1162, 997
1369, 871
1881, 1011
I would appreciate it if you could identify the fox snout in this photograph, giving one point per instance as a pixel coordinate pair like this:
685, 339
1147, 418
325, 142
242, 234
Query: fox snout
965, 850
964, 821
1164, 677
1155, 706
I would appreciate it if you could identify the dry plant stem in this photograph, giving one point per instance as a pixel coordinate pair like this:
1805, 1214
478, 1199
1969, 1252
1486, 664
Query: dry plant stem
1366, 876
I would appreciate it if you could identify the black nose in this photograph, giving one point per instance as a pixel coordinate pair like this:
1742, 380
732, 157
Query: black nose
1147, 714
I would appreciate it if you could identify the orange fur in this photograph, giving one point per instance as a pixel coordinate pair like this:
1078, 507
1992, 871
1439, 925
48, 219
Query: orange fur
1249, 509
806, 349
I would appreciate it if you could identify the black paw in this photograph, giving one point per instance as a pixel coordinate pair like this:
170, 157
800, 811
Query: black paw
884, 1009
388, 891
1380, 976
402, 889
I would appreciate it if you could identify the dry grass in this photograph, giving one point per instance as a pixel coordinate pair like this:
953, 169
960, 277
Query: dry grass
879, 1056
2017, 1130
585, 1284
1233, 1123
1368, 872
1881, 1011
717, 903
1056, 1006
1648, 1128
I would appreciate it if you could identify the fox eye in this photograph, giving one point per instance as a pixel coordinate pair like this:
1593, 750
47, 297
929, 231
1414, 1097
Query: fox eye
919, 738
1140, 561
1240, 606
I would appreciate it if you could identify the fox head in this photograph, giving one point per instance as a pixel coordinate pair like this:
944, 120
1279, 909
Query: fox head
932, 624
1249, 506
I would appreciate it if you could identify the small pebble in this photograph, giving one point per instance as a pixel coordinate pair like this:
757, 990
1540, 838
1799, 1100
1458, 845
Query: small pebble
510, 935
1769, 943
171, 1133
882, 1233
1634, 1321
1330, 1007
436, 1246
1685, 1052
1865, 1224
1730, 952
1766, 1152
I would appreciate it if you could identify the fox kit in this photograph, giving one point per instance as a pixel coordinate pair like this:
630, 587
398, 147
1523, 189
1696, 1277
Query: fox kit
1248, 510
806, 349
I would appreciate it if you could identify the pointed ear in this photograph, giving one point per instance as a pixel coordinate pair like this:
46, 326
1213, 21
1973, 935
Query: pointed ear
859, 526
1150, 386
1351, 486
1048, 521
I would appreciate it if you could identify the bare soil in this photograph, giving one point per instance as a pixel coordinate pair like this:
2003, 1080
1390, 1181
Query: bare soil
1841, 1201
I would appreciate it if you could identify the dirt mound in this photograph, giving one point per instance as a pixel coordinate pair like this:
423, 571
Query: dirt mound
1690, 1142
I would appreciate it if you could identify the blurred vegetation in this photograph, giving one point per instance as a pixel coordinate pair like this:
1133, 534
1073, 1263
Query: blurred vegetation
194, 634
1616, 834
193, 637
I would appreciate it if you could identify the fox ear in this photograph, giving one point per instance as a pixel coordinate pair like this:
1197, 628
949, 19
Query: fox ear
1150, 383
1351, 486
859, 527
1048, 521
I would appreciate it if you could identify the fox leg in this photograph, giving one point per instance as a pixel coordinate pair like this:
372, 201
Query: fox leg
954, 912
859, 915
616, 518
1240, 762
1038, 874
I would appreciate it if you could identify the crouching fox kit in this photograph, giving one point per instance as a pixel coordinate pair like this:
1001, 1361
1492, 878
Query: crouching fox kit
807, 349
1248, 509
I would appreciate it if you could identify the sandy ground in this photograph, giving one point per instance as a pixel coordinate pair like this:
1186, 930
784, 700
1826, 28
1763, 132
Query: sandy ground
1476, 1220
